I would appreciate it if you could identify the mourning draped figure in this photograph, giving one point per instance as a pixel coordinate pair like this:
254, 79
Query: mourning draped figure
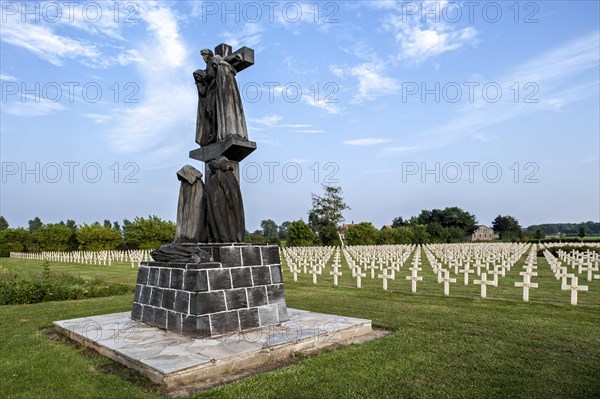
191, 212
224, 207
220, 113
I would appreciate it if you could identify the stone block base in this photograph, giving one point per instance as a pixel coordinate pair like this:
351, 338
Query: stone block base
241, 290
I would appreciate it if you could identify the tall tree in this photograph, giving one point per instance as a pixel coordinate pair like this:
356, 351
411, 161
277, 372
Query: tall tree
107, 223
269, 229
35, 224
507, 227
326, 216
14, 240
582, 232
96, 237
3, 223
54, 237
399, 221
300, 234
361, 234
283, 230
148, 233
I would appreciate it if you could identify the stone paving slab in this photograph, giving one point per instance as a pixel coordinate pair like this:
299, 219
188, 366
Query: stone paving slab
177, 361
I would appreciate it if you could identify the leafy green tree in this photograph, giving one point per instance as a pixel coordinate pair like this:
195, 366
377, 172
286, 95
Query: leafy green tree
507, 227
148, 233
269, 229
420, 234
361, 234
116, 226
256, 237
300, 234
325, 217
437, 233
456, 235
107, 223
96, 237
35, 224
448, 217
14, 240
54, 237
283, 230
386, 236
403, 235
3, 223
582, 232
539, 234
397, 222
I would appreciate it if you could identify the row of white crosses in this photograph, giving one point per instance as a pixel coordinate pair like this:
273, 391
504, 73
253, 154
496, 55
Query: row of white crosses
484, 263
562, 273
530, 267
480, 259
106, 258
583, 262
307, 259
386, 260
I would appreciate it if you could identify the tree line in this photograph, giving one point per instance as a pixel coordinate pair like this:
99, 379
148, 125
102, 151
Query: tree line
324, 226
140, 233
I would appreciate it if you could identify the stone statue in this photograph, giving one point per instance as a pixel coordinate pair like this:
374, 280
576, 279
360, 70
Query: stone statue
220, 112
224, 207
191, 209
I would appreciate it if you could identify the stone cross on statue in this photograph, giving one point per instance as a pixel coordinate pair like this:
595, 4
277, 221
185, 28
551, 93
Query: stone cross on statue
220, 122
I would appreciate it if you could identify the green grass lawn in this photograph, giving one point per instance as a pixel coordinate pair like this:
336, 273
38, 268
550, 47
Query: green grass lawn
459, 346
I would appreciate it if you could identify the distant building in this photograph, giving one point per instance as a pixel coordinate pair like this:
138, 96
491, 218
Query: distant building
482, 233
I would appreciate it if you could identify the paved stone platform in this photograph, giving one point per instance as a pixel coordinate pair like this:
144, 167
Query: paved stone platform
178, 362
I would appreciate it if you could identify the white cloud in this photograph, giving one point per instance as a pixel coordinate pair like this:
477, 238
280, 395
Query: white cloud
372, 83
366, 142
552, 73
310, 131
33, 107
41, 41
423, 32
322, 103
166, 113
7, 77
98, 118
419, 44
267, 120
250, 35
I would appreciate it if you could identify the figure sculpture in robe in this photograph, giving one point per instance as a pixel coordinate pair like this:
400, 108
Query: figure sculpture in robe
220, 112
224, 207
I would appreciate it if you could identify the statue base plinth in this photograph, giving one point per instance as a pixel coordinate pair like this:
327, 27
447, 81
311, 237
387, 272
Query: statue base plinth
240, 289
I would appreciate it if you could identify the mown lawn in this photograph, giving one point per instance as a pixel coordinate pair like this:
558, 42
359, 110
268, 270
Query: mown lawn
459, 346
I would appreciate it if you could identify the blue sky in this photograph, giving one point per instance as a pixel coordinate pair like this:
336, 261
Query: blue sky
489, 106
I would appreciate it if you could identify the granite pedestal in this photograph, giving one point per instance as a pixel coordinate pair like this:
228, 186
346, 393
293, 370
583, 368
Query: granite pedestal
240, 290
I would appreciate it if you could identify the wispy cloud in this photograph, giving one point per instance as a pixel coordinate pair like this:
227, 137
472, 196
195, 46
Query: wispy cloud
401, 149
366, 141
33, 106
248, 35
44, 42
372, 83
554, 73
423, 32
7, 77
267, 120
159, 127
271, 121
98, 118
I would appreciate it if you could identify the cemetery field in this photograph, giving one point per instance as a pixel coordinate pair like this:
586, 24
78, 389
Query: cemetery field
118, 272
458, 346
